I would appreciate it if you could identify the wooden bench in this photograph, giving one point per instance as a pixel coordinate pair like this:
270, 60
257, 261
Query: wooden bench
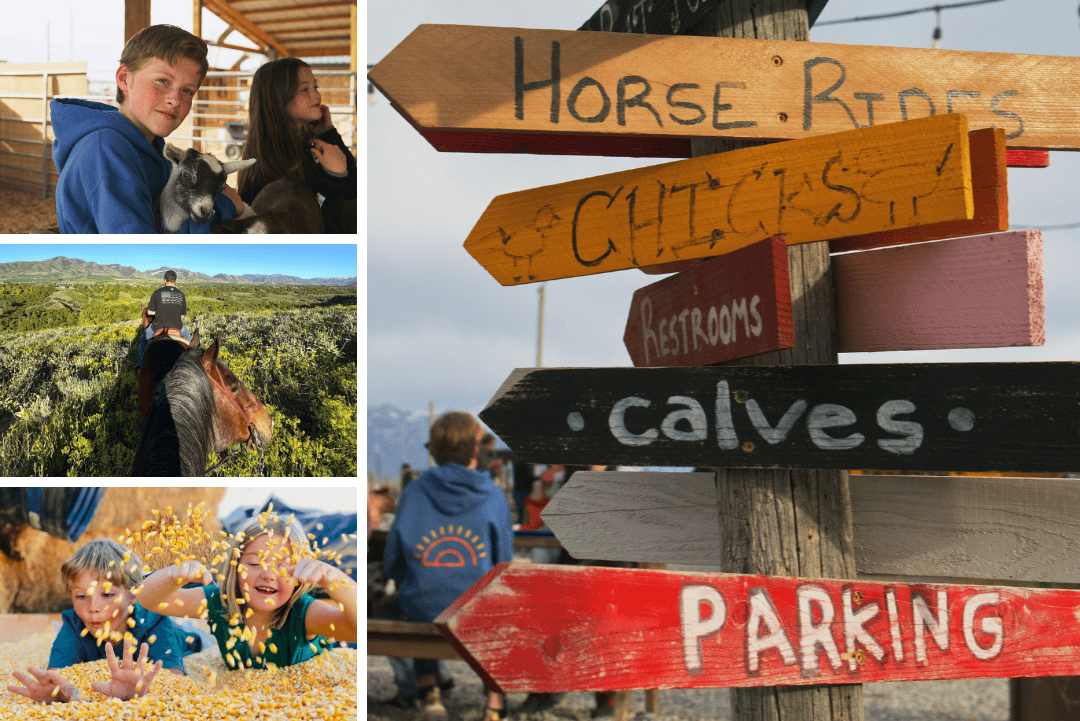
407, 639
414, 639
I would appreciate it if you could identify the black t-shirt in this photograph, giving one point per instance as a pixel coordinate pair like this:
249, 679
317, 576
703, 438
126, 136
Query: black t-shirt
168, 303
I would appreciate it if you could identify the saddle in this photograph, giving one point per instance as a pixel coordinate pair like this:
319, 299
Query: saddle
173, 333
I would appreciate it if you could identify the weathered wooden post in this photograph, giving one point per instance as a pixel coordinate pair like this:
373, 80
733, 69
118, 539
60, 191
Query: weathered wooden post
786, 522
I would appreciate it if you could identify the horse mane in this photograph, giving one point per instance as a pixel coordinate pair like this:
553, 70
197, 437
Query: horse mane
179, 426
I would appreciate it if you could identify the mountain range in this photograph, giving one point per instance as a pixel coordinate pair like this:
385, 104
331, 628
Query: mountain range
62, 268
394, 437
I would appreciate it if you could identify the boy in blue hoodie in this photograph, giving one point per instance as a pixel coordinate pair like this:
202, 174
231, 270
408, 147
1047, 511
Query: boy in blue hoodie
111, 160
452, 525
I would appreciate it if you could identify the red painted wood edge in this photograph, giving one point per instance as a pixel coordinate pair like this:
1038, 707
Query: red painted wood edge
1022, 158
984, 291
543, 628
707, 303
614, 146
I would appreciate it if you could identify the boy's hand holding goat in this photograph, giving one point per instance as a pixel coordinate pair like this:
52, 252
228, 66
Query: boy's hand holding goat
197, 178
283, 206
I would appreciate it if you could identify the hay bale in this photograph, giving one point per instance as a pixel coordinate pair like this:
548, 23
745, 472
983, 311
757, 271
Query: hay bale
33, 584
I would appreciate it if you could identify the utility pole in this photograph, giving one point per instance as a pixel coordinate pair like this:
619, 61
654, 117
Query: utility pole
431, 422
540, 328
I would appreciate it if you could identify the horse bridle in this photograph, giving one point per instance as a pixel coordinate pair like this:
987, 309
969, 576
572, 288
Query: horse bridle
253, 433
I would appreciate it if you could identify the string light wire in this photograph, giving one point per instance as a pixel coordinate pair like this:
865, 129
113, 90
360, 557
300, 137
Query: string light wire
901, 13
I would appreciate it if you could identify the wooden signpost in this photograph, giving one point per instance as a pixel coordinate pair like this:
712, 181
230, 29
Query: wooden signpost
908, 416
728, 307
985, 291
851, 183
664, 17
537, 628
851, 174
989, 190
485, 89
959, 527
980, 292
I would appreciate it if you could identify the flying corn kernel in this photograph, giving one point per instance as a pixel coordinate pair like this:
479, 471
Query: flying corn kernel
152, 639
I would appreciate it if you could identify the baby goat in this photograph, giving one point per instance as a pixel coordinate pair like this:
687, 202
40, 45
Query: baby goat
283, 206
197, 178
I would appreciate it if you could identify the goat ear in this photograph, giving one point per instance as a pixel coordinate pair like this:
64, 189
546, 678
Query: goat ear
231, 166
173, 153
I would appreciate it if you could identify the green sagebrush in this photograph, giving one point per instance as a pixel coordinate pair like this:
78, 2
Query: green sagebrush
68, 396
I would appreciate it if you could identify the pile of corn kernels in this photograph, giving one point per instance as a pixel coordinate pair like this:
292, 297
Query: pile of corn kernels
323, 688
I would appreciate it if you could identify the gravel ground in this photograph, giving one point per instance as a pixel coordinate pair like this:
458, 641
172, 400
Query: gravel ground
22, 210
975, 700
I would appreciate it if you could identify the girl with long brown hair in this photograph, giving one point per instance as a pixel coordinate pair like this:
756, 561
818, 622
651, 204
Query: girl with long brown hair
291, 135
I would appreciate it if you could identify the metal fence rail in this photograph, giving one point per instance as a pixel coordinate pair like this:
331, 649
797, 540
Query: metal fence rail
207, 119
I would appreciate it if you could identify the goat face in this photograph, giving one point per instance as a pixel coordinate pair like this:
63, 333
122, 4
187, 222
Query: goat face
197, 178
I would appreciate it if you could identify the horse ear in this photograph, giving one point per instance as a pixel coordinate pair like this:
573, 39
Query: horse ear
209, 356
194, 340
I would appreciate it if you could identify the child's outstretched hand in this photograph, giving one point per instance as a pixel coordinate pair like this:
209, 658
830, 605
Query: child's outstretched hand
44, 686
189, 571
319, 573
130, 678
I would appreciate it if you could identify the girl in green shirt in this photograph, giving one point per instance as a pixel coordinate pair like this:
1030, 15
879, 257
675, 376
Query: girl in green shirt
261, 614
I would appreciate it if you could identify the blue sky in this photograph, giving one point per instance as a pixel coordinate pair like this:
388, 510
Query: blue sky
304, 261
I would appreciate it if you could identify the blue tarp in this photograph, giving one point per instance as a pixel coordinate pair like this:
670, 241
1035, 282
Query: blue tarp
322, 525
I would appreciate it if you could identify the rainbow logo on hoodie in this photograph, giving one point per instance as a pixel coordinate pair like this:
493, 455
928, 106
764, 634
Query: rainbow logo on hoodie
450, 548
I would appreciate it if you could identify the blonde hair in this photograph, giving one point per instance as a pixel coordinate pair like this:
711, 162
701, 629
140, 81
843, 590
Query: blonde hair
165, 42
238, 542
106, 558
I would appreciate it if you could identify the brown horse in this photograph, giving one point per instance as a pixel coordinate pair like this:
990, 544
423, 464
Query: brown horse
159, 356
193, 405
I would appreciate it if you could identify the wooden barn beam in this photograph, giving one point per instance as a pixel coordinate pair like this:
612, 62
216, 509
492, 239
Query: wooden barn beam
136, 17
224, 11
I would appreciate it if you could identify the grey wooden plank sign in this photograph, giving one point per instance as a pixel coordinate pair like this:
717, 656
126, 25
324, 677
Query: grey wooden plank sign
975, 528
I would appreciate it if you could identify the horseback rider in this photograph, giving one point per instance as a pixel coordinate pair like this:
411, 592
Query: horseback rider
167, 308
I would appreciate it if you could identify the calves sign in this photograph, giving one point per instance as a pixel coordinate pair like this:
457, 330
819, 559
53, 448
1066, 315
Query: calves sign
909, 416
612, 629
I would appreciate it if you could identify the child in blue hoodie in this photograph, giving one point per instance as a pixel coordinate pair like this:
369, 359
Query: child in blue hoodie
452, 525
111, 160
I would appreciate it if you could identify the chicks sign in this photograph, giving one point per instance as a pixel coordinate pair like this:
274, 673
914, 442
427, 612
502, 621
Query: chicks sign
546, 628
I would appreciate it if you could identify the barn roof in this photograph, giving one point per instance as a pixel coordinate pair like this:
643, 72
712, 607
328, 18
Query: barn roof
296, 28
